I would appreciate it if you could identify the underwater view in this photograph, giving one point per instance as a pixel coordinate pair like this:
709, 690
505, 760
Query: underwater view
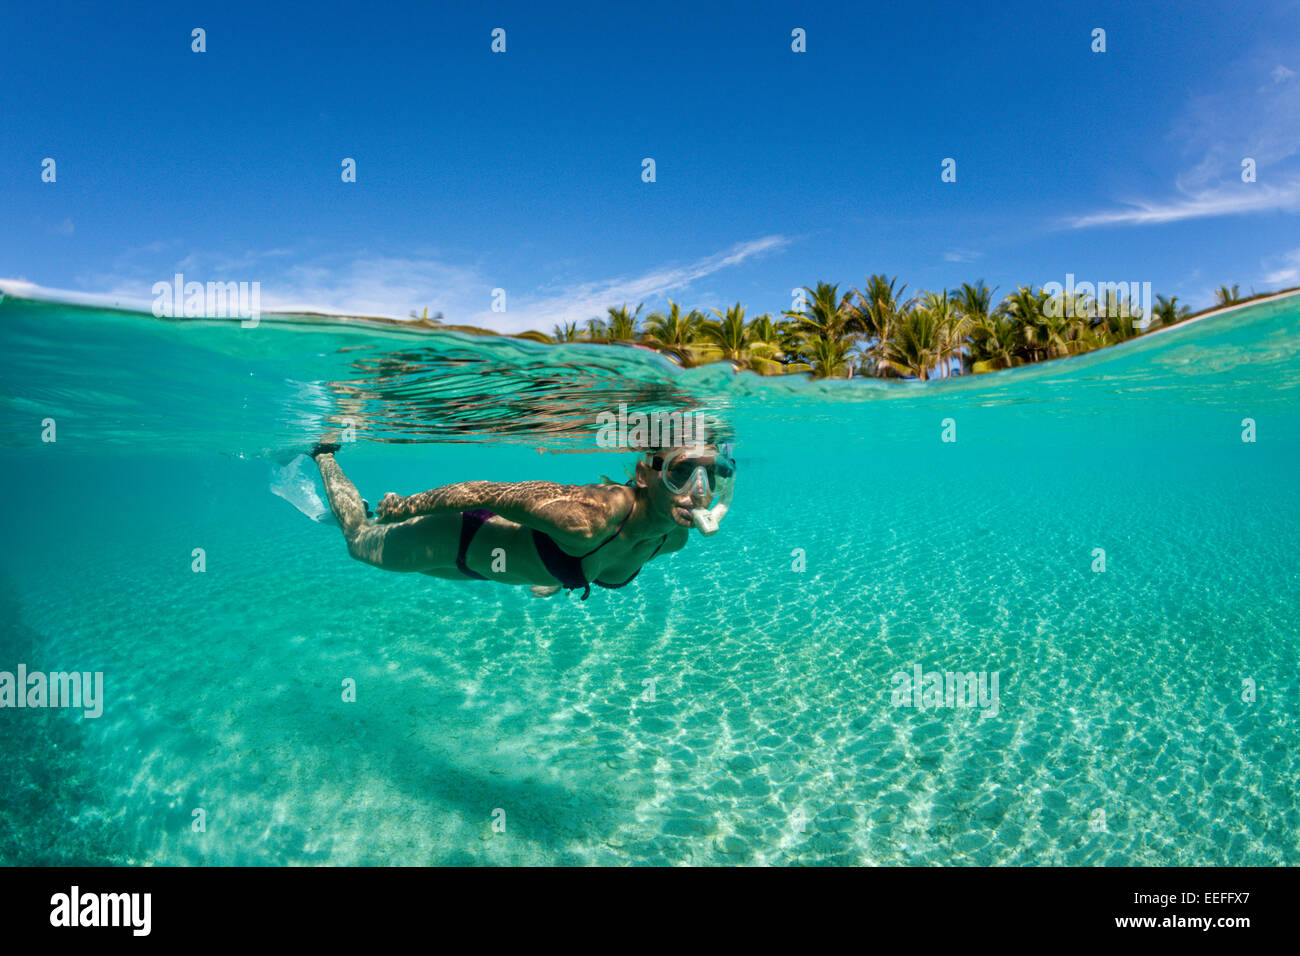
581, 435
1046, 615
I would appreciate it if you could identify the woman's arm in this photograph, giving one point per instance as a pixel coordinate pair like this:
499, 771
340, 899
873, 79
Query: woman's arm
575, 512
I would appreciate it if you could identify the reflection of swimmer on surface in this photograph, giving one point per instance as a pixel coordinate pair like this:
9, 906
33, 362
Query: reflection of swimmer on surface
537, 532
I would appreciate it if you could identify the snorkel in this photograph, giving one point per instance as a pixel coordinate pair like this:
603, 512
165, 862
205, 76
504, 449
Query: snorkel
702, 491
706, 519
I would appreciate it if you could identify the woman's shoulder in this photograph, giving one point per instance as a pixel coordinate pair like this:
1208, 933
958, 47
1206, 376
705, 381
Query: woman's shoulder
610, 502
591, 512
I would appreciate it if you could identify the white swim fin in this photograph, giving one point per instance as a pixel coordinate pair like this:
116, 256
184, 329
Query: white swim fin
296, 483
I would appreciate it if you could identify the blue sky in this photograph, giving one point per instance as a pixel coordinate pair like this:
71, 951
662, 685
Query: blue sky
522, 170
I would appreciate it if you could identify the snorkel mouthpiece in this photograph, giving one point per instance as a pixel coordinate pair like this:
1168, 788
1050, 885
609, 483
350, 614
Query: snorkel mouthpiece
704, 518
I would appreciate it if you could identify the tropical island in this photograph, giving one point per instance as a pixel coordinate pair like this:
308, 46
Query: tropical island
880, 332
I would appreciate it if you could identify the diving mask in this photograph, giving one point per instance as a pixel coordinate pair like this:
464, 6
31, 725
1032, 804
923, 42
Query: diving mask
705, 475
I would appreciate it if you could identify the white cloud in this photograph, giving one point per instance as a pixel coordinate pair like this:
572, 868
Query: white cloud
961, 255
1224, 201
1217, 131
371, 285
1286, 268
580, 302
361, 285
393, 286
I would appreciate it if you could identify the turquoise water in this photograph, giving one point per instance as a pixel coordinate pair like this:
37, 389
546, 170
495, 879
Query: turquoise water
772, 736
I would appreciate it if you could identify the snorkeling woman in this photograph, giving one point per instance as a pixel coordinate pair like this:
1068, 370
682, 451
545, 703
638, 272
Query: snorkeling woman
539, 533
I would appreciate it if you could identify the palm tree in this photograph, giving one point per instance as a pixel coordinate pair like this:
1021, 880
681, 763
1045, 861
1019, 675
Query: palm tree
767, 346
764, 329
1090, 330
1084, 310
878, 310
995, 342
827, 329
1028, 309
1069, 326
673, 332
1121, 328
622, 325
568, 332
917, 343
828, 357
729, 335
827, 313
435, 319
1116, 319
883, 335
1225, 296
952, 327
1168, 311
596, 330
975, 305
974, 301
790, 340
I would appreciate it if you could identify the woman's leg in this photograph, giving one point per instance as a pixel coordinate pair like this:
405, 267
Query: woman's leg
426, 544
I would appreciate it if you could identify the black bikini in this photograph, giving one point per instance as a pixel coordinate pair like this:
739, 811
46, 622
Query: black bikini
564, 567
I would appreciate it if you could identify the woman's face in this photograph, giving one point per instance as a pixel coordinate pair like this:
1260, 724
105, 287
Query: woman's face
677, 505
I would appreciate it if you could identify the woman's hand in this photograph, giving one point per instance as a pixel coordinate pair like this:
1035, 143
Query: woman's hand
389, 509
